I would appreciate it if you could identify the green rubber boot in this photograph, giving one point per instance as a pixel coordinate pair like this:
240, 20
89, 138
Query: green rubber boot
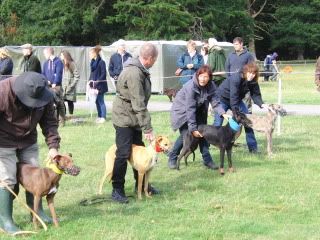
6, 207
44, 217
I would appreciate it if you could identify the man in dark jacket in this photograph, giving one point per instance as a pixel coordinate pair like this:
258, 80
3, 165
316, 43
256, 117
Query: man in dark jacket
130, 115
25, 102
117, 60
52, 70
235, 62
30, 61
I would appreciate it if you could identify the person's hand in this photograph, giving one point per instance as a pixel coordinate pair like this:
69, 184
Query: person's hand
53, 153
190, 65
197, 134
96, 91
149, 136
226, 116
53, 85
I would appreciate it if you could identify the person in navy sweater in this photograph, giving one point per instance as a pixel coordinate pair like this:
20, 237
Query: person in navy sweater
117, 60
231, 93
52, 70
98, 82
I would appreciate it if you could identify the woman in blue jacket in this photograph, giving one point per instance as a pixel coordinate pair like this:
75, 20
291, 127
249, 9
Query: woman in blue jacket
98, 81
189, 62
233, 90
190, 109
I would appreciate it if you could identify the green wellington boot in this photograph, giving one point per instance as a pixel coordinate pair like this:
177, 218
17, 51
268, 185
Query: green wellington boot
6, 208
44, 217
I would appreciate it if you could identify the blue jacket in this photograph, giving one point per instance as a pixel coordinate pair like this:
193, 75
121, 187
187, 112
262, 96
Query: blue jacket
99, 75
184, 60
6, 67
235, 63
234, 88
116, 63
191, 105
53, 70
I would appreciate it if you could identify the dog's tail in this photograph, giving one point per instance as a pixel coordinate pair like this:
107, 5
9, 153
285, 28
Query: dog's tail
109, 161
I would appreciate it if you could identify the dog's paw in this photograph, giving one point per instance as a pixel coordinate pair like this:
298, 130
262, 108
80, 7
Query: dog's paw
231, 170
221, 170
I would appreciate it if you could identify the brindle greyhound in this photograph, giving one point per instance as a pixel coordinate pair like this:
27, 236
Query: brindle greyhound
266, 123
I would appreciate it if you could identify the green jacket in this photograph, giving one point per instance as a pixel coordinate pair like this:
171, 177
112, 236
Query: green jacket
31, 63
129, 107
70, 78
217, 60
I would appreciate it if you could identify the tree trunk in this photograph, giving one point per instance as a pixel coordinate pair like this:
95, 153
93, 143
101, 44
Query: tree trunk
252, 47
300, 54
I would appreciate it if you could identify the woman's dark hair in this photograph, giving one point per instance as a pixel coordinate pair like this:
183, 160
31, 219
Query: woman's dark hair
204, 69
67, 59
252, 68
205, 49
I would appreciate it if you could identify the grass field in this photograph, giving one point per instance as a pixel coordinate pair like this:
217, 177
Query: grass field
275, 198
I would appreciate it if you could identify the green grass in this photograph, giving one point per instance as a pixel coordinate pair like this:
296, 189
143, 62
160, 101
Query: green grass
297, 88
275, 198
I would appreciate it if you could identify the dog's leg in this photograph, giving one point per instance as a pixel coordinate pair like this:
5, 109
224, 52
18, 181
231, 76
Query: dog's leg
102, 181
269, 143
36, 202
222, 152
140, 180
229, 155
146, 184
52, 210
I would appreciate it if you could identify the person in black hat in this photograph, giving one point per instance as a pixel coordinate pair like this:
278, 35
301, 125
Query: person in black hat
25, 102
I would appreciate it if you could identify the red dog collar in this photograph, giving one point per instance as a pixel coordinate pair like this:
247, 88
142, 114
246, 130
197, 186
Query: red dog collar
158, 149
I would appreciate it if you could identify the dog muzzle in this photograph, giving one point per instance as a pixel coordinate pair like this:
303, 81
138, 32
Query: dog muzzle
73, 171
234, 125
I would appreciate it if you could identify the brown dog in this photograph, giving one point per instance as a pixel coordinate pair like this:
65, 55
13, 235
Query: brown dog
170, 92
142, 159
45, 181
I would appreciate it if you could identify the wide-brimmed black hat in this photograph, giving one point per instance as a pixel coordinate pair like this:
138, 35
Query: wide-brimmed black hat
32, 89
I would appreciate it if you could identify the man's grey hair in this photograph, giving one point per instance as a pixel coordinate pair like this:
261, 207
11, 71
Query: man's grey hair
148, 50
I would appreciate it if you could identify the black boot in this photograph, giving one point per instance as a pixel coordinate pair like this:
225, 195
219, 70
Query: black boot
6, 208
44, 217
118, 195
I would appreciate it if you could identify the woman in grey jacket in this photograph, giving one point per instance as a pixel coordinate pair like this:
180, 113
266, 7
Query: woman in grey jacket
70, 78
190, 109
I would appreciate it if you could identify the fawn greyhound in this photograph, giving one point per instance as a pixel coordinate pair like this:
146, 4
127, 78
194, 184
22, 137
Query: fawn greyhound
221, 137
142, 159
45, 181
266, 123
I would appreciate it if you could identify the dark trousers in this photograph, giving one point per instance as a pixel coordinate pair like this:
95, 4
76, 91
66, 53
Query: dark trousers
70, 106
125, 137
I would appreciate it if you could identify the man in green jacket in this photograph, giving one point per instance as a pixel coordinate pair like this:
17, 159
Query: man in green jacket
216, 60
30, 62
130, 115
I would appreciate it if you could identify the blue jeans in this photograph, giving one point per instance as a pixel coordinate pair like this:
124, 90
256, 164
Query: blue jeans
251, 139
101, 106
203, 144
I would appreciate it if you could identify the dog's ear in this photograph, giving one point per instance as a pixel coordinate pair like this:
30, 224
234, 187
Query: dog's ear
57, 158
159, 139
70, 154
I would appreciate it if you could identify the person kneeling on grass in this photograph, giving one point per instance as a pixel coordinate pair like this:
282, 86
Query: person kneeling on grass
190, 109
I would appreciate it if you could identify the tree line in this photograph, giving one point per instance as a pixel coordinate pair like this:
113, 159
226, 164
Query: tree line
290, 27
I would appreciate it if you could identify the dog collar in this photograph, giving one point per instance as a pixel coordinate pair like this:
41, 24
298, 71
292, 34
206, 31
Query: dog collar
158, 148
53, 167
234, 125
